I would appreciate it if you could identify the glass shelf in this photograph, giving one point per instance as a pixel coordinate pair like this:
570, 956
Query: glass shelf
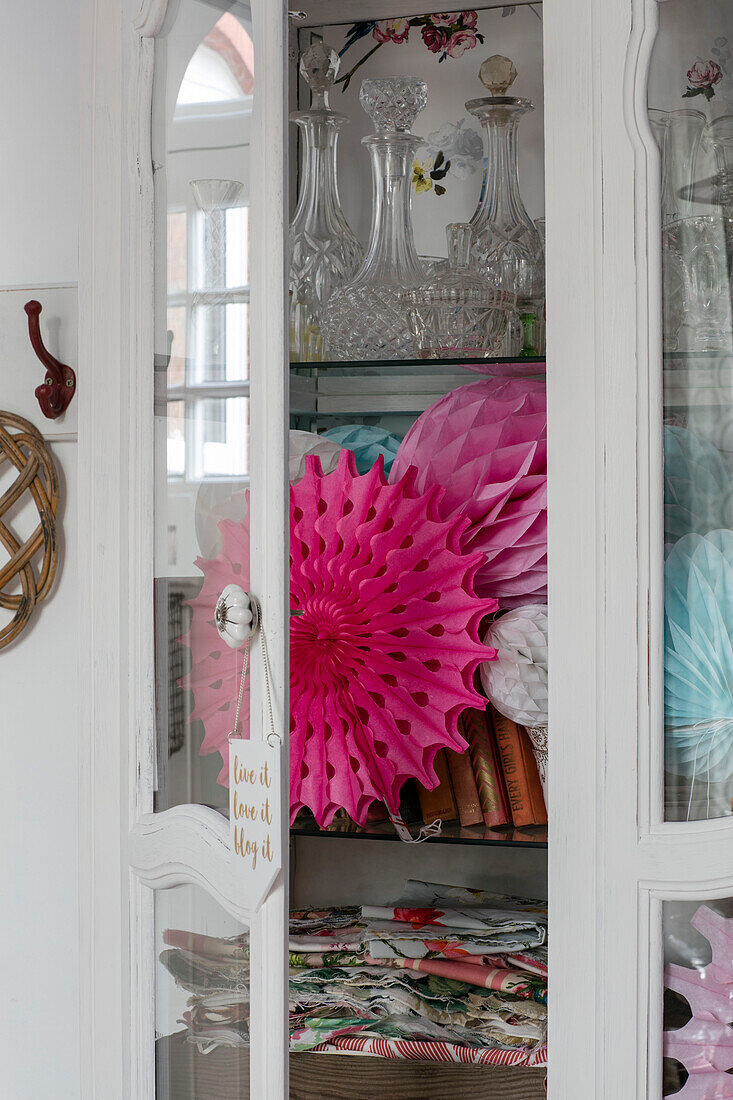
695, 379
452, 833
333, 391
502, 366
703, 357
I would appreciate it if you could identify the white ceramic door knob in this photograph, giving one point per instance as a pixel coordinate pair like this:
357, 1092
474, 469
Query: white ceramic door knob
236, 616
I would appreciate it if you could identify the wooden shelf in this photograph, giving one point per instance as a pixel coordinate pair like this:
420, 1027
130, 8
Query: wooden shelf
184, 1073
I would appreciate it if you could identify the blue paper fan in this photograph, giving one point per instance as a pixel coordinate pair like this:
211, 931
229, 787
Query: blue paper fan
696, 484
698, 656
368, 442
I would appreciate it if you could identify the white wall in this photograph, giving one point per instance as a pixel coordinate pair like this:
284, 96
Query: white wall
39, 959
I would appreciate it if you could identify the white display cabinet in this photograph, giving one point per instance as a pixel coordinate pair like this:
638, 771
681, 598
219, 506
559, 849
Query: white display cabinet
190, 174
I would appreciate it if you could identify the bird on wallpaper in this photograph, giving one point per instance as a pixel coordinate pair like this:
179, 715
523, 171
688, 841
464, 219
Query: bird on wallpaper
358, 31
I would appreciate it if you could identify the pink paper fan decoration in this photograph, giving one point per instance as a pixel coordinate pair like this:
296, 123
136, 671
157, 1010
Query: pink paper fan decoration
381, 661
486, 445
705, 1044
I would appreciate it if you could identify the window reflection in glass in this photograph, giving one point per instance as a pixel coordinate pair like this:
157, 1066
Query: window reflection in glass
202, 105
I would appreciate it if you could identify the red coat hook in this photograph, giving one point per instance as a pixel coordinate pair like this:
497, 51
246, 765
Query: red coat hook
59, 385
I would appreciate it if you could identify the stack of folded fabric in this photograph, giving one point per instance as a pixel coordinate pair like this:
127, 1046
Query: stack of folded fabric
445, 974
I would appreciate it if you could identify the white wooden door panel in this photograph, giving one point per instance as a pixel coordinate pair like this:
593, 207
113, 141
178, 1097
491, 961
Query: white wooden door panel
134, 852
642, 860
612, 858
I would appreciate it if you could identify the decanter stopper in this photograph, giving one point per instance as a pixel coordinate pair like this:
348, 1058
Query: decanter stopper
497, 73
319, 67
393, 103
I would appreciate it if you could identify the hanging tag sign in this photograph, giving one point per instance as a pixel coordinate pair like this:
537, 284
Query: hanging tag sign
255, 824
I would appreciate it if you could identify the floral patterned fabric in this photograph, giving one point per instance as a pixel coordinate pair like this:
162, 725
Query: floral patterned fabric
517, 982
426, 974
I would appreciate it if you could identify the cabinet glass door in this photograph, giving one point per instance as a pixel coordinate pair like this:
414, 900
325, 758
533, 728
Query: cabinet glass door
202, 994
210, 208
202, 116
691, 114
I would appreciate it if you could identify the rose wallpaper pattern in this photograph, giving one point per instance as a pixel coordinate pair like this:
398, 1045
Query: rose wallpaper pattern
448, 34
695, 48
445, 49
703, 76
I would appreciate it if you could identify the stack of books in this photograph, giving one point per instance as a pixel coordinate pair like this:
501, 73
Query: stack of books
495, 783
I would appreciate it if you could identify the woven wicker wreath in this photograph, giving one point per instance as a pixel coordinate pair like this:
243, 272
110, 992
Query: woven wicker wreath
22, 446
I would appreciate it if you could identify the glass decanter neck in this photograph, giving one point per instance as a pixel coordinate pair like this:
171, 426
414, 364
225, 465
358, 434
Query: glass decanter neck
318, 202
459, 237
501, 199
391, 256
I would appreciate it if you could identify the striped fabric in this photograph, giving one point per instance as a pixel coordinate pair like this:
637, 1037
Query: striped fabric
415, 1050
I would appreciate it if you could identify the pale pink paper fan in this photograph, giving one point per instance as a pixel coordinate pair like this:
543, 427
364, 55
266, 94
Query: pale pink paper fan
486, 445
705, 1044
215, 668
381, 661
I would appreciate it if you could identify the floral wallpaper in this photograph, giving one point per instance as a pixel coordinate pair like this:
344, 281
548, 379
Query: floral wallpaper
445, 49
447, 34
693, 58
702, 78
457, 148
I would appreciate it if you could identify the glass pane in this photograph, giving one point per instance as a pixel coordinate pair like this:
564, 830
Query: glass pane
202, 998
698, 1004
377, 406
691, 114
202, 105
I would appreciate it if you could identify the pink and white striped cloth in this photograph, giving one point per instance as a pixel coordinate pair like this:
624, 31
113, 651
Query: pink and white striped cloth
418, 1050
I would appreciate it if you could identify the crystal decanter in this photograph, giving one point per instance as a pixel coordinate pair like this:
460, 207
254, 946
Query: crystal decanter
507, 246
366, 318
719, 139
456, 312
324, 252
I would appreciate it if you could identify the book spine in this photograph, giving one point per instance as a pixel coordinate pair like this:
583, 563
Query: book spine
513, 763
464, 788
536, 793
439, 802
486, 771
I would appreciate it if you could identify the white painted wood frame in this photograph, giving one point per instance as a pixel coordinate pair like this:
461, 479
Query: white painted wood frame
127, 850
612, 859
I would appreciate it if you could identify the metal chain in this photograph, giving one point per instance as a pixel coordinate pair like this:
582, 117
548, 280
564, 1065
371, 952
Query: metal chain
268, 688
268, 692
245, 666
